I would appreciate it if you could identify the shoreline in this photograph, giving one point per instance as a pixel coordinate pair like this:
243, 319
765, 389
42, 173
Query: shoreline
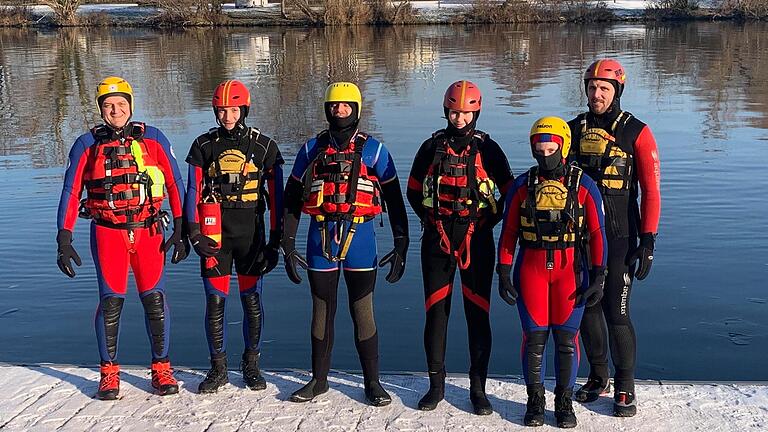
419, 12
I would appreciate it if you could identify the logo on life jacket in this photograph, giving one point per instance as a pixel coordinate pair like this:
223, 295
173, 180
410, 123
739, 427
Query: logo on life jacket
603, 158
125, 186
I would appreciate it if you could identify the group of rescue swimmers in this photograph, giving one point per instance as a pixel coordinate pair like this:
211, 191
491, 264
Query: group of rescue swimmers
574, 268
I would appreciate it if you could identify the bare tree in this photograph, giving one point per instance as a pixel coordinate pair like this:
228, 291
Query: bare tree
65, 10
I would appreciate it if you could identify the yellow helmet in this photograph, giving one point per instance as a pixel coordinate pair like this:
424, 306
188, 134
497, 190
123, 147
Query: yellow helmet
114, 86
344, 92
553, 126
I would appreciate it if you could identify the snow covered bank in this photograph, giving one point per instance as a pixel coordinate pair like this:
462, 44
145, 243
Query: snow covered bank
43, 398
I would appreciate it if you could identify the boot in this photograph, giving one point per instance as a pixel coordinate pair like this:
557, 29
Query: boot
480, 403
310, 390
436, 391
624, 404
109, 385
592, 390
251, 375
376, 395
162, 378
216, 376
564, 414
534, 409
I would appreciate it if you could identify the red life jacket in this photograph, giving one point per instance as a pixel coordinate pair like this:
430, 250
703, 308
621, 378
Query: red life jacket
337, 184
123, 180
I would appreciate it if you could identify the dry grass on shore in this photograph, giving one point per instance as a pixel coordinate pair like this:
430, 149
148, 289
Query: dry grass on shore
15, 16
516, 11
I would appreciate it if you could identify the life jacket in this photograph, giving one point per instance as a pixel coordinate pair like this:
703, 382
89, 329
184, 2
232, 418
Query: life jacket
235, 177
551, 217
607, 161
457, 186
125, 186
338, 187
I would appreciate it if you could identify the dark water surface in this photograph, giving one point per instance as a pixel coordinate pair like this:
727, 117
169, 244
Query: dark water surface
702, 87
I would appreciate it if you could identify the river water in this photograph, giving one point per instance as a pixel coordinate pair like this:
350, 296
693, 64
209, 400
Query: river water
702, 88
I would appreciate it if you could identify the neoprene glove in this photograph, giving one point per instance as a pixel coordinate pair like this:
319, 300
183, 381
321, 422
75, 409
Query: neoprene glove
594, 292
204, 246
396, 257
268, 256
507, 289
66, 253
178, 241
643, 253
292, 258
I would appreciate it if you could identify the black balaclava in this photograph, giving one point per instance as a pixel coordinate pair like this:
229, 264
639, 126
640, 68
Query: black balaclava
342, 129
605, 119
552, 166
461, 137
240, 127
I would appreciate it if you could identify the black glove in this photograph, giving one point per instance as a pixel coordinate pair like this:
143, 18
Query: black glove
292, 258
594, 292
178, 241
396, 257
204, 246
644, 253
66, 253
268, 256
507, 289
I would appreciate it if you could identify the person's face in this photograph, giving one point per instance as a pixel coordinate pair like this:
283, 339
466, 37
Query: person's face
115, 110
341, 109
600, 94
546, 148
228, 116
460, 119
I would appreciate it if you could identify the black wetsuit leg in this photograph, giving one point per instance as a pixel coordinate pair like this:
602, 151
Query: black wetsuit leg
324, 287
360, 285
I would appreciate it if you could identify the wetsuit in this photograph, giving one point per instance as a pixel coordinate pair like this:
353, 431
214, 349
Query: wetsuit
636, 158
547, 278
216, 161
126, 230
439, 267
359, 265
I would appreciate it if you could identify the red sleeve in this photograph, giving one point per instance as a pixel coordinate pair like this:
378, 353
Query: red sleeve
69, 203
508, 240
649, 177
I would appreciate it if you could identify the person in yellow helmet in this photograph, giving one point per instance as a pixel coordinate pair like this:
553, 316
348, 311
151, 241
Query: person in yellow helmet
127, 168
552, 209
342, 179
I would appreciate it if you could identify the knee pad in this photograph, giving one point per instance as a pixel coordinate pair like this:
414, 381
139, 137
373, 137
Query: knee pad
319, 317
111, 308
252, 320
362, 314
214, 316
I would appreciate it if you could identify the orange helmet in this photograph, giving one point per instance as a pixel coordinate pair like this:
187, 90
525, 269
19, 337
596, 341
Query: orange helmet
463, 96
232, 93
609, 70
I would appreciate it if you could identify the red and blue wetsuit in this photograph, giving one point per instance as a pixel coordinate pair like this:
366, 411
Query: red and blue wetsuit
123, 174
547, 278
243, 200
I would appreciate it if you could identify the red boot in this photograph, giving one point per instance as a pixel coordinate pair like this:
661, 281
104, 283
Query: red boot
109, 386
162, 378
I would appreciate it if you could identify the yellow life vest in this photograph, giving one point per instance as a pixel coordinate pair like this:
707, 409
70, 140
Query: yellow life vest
603, 158
234, 177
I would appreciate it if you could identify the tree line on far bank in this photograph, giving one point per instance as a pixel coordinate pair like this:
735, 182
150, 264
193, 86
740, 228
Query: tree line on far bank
182, 13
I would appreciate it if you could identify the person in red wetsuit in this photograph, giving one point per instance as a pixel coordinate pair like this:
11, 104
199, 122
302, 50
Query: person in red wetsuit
456, 188
126, 168
619, 152
552, 210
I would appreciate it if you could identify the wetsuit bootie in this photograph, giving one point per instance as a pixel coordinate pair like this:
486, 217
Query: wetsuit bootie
376, 395
534, 409
564, 414
310, 390
592, 390
480, 403
251, 374
162, 378
436, 391
216, 376
109, 385
624, 404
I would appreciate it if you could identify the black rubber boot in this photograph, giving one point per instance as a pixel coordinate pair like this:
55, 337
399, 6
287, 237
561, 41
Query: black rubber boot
624, 404
480, 403
534, 409
251, 374
564, 414
592, 390
376, 395
310, 390
217, 375
436, 391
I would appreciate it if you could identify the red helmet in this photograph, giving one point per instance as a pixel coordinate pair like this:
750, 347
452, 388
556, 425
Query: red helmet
609, 70
463, 96
232, 93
